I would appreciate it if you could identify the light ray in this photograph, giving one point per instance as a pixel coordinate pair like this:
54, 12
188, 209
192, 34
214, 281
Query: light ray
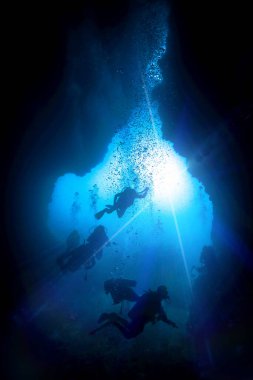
121, 229
181, 247
171, 204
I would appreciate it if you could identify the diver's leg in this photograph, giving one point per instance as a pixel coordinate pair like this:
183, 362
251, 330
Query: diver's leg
122, 329
135, 327
112, 317
93, 332
129, 330
109, 209
99, 214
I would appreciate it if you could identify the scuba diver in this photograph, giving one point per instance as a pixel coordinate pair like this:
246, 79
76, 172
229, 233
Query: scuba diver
86, 253
122, 201
73, 240
121, 290
95, 243
148, 308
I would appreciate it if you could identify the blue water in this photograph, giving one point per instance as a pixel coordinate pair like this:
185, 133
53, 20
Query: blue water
158, 239
121, 82
161, 233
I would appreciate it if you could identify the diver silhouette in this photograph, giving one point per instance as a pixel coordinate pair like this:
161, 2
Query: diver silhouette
121, 290
73, 240
85, 254
122, 201
148, 308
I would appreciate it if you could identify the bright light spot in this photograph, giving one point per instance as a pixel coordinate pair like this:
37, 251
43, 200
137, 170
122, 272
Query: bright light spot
170, 181
174, 219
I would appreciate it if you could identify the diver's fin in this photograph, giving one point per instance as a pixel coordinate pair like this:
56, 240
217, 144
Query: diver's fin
103, 317
99, 214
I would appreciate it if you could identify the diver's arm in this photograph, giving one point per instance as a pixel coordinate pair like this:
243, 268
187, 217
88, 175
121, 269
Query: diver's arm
168, 322
142, 194
163, 317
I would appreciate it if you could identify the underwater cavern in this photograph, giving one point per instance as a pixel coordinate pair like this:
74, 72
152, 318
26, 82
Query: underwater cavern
123, 180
